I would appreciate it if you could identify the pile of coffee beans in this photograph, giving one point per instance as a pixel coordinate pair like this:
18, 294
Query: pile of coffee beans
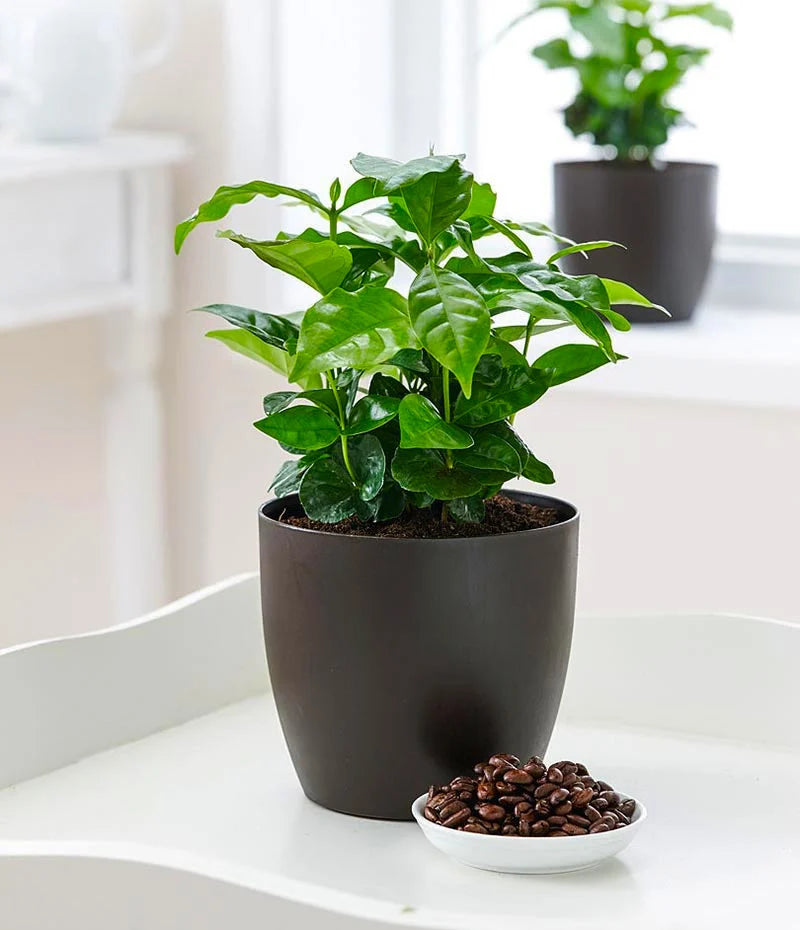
508, 798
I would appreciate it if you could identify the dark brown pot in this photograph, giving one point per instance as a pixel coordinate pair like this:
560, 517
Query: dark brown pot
666, 216
396, 663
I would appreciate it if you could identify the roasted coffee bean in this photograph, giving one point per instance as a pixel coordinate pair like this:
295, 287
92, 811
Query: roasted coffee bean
452, 808
502, 787
544, 790
430, 815
481, 768
540, 828
485, 791
556, 821
557, 796
555, 775
491, 812
510, 830
542, 807
569, 768
599, 827
569, 780
443, 799
581, 768
579, 821
518, 777
608, 819
535, 766
563, 809
572, 830
557, 833
621, 818
463, 783
523, 807
592, 813
604, 786
499, 770
628, 806
611, 797
459, 818
503, 758
601, 804
474, 827
582, 798
511, 800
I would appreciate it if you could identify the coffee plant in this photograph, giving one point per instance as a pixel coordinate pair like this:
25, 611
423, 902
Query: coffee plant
408, 401
628, 69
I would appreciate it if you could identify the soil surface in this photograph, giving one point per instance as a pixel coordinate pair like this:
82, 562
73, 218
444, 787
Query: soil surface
503, 515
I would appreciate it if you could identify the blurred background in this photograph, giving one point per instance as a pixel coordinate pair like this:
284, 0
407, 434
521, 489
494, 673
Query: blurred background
129, 471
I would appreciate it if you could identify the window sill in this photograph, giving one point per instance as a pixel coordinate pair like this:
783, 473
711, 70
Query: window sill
745, 357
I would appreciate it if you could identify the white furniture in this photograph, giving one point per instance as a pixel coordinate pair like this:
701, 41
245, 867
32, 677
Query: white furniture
94, 221
146, 784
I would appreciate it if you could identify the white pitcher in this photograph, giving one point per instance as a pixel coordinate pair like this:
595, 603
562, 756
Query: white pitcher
66, 64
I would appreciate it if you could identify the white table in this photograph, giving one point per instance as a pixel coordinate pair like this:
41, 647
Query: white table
146, 786
87, 230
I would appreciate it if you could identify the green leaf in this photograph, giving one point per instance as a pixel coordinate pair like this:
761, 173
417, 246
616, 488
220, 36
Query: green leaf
335, 190
539, 229
509, 354
555, 54
411, 360
583, 247
571, 361
505, 230
482, 201
621, 293
386, 386
710, 12
467, 509
361, 190
518, 388
279, 400
537, 471
358, 329
226, 197
451, 320
606, 34
370, 413
425, 470
396, 175
368, 463
422, 427
322, 265
437, 199
327, 493
490, 452
303, 428
590, 324
287, 480
274, 330
389, 503
250, 346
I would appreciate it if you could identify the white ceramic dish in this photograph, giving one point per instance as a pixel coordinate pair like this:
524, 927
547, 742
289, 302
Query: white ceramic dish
528, 855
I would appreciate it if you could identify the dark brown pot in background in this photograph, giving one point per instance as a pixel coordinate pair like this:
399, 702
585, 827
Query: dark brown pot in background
665, 215
396, 663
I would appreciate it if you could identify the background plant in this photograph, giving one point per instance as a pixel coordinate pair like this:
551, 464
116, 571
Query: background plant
399, 401
629, 70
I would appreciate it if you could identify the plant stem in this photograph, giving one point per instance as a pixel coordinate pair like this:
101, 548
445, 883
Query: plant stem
333, 217
446, 404
528, 334
342, 423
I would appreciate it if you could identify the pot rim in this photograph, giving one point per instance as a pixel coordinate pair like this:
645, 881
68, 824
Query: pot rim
643, 167
572, 518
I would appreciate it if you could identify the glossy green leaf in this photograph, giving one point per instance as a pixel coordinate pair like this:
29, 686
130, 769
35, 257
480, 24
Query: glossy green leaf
571, 361
492, 453
389, 503
412, 360
590, 324
370, 413
250, 346
555, 54
396, 175
322, 265
290, 474
383, 385
451, 320
425, 470
519, 387
422, 426
505, 230
327, 493
224, 198
537, 471
368, 463
275, 330
361, 190
539, 229
358, 329
467, 509
278, 400
583, 247
437, 199
482, 201
621, 293
509, 354
303, 428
